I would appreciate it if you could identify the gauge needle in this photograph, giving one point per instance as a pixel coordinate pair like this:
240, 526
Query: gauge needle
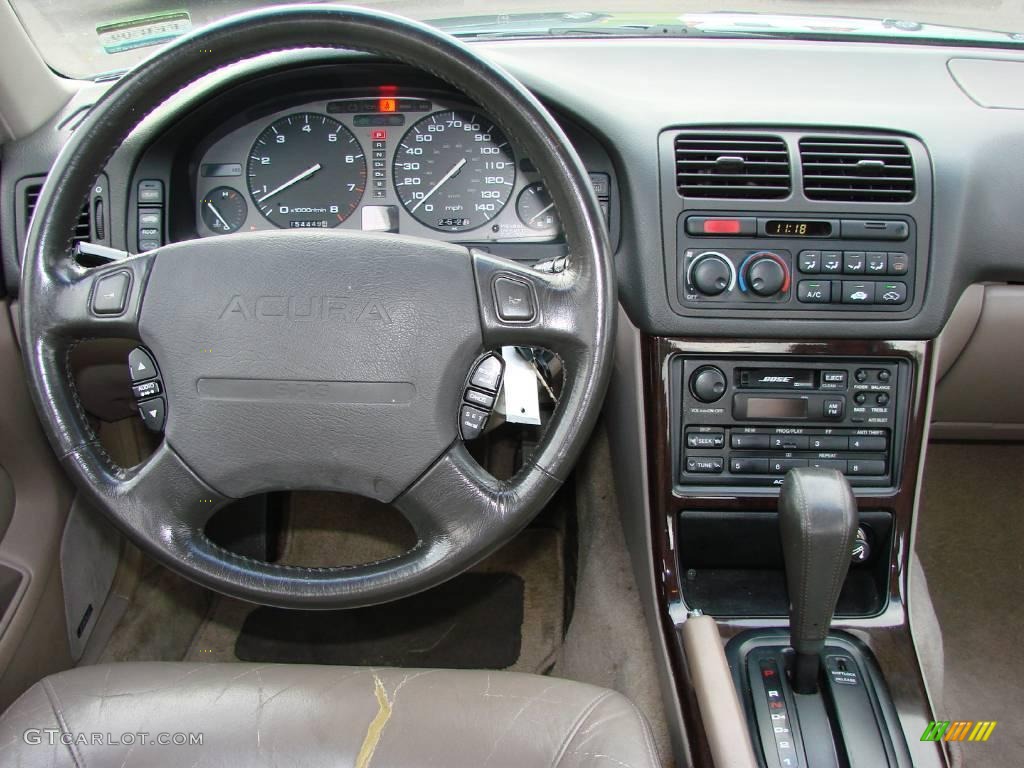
540, 213
216, 213
295, 180
455, 169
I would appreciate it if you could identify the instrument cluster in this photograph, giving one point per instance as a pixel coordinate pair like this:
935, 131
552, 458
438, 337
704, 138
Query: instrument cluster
387, 163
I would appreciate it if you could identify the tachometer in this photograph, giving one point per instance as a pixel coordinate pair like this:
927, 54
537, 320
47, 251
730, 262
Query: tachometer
454, 171
306, 170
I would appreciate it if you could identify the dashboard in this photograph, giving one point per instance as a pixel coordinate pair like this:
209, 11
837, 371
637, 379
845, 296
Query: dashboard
626, 106
385, 160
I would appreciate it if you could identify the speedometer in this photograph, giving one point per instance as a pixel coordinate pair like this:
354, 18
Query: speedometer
306, 170
454, 171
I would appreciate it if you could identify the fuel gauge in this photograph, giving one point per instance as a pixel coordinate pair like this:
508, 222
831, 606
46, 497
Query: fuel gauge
536, 209
223, 210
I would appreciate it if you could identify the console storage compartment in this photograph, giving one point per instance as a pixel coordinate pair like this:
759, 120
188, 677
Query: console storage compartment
730, 565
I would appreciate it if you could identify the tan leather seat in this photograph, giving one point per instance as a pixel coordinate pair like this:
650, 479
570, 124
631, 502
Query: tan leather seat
291, 715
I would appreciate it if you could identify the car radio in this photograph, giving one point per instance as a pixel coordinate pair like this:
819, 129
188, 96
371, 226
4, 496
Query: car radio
747, 422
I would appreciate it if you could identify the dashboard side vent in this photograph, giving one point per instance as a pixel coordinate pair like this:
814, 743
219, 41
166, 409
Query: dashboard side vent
83, 227
853, 169
747, 166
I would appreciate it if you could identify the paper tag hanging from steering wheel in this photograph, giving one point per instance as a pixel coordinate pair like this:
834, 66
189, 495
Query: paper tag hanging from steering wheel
521, 401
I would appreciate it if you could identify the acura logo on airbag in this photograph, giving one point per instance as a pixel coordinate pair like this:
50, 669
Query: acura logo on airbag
305, 309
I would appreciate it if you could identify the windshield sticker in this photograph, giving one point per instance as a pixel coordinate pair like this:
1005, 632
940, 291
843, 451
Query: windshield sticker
148, 30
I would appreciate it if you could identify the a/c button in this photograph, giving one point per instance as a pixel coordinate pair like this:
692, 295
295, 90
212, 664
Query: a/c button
814, 291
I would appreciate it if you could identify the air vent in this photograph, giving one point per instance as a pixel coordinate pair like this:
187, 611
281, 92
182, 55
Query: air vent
857, 170
83, 229
752, 167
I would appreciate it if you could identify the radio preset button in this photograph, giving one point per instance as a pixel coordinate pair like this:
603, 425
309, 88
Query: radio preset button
748, 442
748, 466
704, 464
867, 443
838, 464
782, 466
789, 442
705, 439
829, 443
858, 467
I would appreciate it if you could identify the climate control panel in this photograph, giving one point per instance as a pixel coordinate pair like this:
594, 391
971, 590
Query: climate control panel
806, 263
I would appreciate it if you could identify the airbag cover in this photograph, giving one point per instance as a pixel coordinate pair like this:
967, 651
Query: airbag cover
312, 359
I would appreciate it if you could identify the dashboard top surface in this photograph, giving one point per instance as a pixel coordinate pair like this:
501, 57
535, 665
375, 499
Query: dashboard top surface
626, 93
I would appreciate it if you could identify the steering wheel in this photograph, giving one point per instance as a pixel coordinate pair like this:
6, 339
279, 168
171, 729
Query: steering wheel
316, 359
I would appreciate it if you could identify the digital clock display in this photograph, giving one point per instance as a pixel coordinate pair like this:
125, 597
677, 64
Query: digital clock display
798, 228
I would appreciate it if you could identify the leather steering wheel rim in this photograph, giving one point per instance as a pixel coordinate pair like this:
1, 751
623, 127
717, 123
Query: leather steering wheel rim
459, 512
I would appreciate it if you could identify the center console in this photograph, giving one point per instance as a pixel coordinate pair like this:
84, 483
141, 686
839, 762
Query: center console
792, 255
727, 423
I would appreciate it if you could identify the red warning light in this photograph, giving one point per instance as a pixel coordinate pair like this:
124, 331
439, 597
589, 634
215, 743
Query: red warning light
387, 105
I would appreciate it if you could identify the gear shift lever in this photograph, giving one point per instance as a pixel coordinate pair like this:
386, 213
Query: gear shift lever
818, 523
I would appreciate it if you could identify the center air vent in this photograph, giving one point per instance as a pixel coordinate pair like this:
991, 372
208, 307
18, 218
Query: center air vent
746, 166
82, 226
857, 170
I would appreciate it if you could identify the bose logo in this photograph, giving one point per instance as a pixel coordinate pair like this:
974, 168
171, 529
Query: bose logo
306, 309
776, 379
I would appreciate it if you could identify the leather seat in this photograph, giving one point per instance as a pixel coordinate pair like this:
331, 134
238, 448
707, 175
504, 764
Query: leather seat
291, 715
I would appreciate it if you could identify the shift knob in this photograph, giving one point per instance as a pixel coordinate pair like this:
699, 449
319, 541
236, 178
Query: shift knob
818, 524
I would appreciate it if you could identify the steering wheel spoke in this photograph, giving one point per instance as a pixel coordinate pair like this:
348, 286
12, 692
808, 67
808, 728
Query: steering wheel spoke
521, 306
98, 301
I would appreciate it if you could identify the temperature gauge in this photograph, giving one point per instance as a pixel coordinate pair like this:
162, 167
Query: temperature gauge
536, 209
223, 210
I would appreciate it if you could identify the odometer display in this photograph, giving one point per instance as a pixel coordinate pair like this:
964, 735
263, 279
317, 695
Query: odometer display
306, 170
454, 171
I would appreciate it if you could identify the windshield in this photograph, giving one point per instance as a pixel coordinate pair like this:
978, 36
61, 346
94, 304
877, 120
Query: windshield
87, 38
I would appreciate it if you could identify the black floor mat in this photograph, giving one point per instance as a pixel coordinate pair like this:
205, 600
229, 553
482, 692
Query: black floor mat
473, 621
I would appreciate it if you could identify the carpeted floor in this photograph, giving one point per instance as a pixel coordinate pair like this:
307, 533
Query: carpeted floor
608, 643
970, 536
172, 619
